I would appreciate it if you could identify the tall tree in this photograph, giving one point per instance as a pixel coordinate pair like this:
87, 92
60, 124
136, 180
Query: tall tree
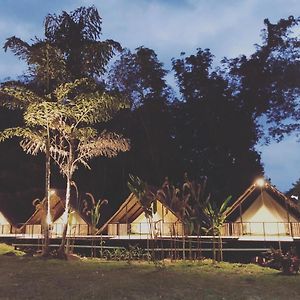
70, 49
215, 136
141, 77
267, 82
77, 35
72, 141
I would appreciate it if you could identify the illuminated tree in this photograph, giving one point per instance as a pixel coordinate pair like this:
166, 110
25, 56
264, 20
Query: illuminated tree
73, 140
18, 96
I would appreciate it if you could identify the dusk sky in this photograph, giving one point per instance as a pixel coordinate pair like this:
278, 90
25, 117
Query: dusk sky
228, 28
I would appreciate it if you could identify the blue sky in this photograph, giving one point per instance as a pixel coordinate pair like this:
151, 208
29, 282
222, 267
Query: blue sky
228, 28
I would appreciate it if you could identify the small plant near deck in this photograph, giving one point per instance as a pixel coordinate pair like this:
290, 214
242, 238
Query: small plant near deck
215, 219
133, 253
146, 198
288, 263
94, 211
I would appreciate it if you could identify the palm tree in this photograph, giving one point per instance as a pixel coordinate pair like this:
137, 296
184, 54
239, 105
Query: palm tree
77, 35
70, 49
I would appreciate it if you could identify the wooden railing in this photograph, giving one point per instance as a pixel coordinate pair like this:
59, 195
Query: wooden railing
291, 229
235, 229
144, 228
36, 230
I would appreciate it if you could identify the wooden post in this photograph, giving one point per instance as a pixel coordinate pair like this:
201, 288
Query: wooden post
240, 209
288, 218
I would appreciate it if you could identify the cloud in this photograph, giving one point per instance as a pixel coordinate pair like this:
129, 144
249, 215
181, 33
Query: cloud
228, 28
172, 29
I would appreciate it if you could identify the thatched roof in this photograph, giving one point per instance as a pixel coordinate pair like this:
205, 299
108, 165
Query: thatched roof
247, 198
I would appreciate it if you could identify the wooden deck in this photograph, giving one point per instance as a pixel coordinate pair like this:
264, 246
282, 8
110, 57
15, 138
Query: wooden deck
259, 231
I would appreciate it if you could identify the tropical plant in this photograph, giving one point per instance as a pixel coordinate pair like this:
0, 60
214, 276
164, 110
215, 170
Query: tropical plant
288, 263
77, 36
177, 201
214, 221
146, 199
93, 210
72, 140
186, 201
71, 49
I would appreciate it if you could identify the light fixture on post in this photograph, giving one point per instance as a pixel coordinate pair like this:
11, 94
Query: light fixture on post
260, 182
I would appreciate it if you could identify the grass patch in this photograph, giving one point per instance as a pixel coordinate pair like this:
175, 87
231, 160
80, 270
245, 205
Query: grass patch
35, 278
7, 249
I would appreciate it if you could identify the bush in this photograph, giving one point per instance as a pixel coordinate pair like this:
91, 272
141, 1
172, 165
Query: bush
288, 263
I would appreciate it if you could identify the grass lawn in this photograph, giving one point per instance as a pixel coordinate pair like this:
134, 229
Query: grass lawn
34, 278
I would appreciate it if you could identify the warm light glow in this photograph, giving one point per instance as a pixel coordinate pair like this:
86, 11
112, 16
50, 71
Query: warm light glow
265, 216
52, 192
48, 219
260, 182
64, 217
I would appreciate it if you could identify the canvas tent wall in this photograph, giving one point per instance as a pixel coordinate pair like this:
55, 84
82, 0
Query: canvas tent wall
263, 210
76, 225
6, 226
130, 219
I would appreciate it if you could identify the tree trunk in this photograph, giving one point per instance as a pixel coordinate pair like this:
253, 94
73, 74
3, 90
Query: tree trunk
61, 249
221, 247
151, 231
214, 243
46, 248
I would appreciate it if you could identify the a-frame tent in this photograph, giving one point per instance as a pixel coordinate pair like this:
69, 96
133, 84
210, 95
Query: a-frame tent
78, 222
263, 210
130, 219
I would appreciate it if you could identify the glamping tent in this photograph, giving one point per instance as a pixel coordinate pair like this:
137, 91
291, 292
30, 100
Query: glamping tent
6, 225
78, 222
263, 210
130, 219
